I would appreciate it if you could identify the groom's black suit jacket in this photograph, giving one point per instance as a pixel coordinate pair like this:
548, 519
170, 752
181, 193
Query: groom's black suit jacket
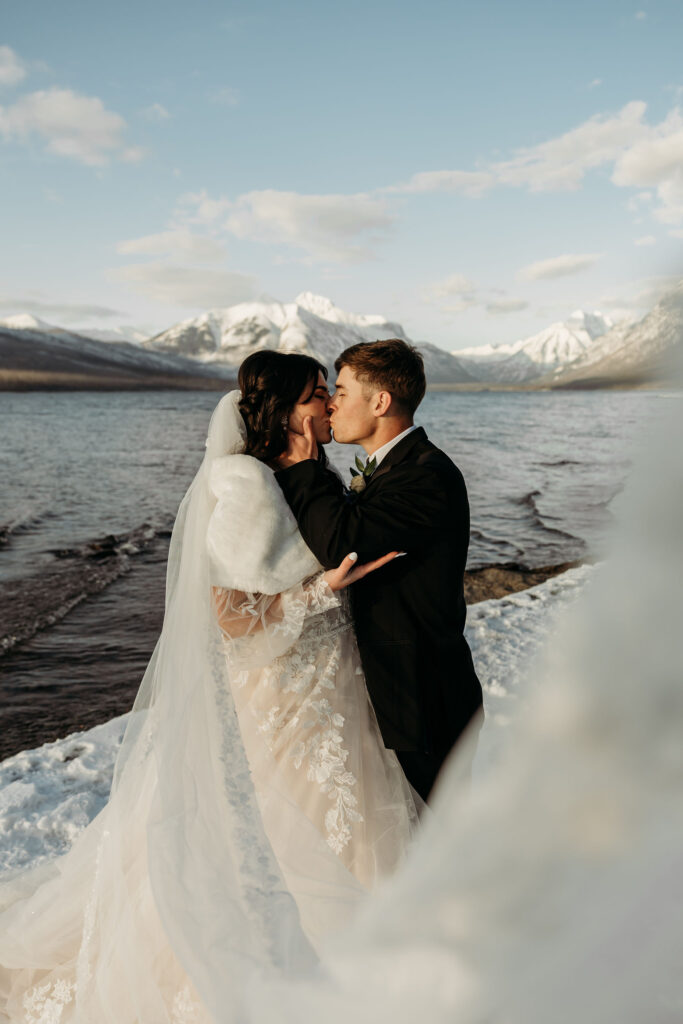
409, 615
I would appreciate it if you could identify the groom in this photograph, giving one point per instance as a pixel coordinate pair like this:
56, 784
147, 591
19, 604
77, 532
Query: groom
410, 615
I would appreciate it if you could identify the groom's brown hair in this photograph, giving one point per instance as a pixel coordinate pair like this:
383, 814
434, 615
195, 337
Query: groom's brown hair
390, 365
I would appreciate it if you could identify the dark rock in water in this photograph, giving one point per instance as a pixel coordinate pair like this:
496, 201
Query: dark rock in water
499, 580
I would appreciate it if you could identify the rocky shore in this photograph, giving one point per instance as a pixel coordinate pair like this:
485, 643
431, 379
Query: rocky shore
499, 580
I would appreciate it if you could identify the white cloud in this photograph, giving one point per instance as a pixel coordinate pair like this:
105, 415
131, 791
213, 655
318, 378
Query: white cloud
72, 125
638, 200
676, 233
200, 208
561, 163
52, 195
558, 266
457, 293
645, 240
330, 228
459, 306
155, 112
471, 183
642, 156
656, 161
133, 154
226, 97
12, 67
453, 294
335, 228
671, 195
558, 164
64, 312
455, 284
186, 286
639, 296
179, 245
500, 306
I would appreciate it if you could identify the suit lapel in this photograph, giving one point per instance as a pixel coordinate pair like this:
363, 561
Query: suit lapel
398, 453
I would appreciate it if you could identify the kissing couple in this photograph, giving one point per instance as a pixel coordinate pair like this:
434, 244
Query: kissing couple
310, 679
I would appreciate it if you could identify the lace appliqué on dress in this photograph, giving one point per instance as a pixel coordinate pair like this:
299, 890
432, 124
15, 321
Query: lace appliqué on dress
185, 1007
326, 765
44, 1004
309, 668
314, 597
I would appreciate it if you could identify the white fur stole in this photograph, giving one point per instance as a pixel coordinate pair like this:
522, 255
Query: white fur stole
253, 540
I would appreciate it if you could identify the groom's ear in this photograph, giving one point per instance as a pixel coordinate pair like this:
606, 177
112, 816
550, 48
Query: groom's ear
382, 403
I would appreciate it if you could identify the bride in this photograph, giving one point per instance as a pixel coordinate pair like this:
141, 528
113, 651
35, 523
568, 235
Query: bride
253, 805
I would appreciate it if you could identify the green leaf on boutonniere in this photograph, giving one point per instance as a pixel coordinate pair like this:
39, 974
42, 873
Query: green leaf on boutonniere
360, 475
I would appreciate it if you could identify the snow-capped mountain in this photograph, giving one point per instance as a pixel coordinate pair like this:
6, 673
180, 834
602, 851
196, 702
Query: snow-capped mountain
29, 322
311, 324
585, 350
631, 353
528, 359
35, 356
131, 334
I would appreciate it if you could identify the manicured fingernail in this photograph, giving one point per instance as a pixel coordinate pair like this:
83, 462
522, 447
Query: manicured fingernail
401, 554
353, 556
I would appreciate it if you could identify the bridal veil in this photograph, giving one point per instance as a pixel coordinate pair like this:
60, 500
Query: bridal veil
173, 894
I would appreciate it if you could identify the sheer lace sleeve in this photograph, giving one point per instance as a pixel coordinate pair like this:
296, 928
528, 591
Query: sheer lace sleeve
256, 628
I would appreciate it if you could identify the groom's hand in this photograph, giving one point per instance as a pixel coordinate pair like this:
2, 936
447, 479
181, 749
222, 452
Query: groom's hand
301, 446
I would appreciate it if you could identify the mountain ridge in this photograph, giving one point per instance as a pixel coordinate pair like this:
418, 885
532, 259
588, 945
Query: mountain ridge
311, 324
586, 350
522, 361
639, 352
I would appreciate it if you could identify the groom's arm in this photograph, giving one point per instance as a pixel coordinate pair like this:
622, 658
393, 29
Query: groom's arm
399, 514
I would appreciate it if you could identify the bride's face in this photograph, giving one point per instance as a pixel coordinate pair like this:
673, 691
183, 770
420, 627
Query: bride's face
313, 402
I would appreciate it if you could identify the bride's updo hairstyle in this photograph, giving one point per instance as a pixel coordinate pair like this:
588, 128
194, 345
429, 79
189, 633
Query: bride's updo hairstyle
271, 384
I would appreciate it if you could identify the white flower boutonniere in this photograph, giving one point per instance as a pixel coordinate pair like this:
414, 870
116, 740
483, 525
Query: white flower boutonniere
359, 476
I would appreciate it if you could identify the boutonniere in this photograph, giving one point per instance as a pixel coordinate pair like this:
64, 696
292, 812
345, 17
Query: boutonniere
359, 476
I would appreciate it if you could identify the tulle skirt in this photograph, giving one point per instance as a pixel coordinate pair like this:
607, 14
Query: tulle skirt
91, 937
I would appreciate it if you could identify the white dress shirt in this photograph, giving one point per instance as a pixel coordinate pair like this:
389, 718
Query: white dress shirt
386, 448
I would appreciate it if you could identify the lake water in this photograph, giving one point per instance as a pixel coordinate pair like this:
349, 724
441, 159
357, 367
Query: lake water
91, 482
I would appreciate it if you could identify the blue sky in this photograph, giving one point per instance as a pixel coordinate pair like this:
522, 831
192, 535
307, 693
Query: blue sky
474, 171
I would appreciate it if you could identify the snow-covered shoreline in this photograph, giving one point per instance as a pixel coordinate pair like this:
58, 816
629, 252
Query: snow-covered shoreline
48, 795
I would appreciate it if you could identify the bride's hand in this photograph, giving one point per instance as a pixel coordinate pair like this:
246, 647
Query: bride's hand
299, 446
348, 572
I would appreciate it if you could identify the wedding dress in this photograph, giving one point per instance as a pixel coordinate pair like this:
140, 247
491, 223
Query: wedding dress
253, 805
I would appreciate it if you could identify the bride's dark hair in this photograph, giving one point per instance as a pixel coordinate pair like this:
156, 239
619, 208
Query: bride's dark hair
271, 384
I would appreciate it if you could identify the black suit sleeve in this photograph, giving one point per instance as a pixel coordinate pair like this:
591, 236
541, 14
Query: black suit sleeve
396, 513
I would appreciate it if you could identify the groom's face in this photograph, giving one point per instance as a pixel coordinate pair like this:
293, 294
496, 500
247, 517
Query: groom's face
351, 406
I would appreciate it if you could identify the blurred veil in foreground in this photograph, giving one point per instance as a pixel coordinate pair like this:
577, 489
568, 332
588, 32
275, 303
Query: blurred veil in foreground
554, 892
